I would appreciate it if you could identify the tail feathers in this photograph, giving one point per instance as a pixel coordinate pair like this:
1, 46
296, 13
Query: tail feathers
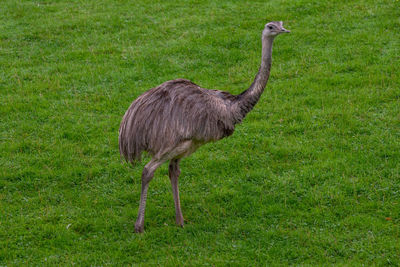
129, 147
129, 150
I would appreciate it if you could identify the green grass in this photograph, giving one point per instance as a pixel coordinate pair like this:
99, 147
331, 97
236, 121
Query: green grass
311, 177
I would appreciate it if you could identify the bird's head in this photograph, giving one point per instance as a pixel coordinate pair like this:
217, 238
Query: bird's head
273, 28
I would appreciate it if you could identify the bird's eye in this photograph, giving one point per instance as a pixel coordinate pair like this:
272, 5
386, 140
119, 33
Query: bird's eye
270, 27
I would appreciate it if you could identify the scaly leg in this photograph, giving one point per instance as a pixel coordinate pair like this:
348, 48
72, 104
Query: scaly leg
174, 172
147, 175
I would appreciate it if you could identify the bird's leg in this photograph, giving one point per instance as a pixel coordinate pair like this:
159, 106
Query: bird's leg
147, 175
174, 172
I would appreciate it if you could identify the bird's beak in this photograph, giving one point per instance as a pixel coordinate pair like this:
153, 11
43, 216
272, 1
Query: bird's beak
284, 30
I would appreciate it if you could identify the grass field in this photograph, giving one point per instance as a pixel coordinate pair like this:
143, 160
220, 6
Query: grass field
311, 177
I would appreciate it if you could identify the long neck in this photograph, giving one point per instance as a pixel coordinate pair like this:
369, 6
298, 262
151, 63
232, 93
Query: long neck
247, 99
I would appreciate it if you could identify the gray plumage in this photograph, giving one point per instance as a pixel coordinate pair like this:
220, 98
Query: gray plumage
173, 112
173, 119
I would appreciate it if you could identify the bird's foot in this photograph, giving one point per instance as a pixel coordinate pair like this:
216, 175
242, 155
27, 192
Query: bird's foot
179, 221
139, 227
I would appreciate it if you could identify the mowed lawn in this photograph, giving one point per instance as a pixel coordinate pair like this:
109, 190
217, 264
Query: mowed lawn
311, 176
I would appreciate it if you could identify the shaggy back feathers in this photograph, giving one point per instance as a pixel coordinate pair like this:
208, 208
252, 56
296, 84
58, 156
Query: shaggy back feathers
173, 112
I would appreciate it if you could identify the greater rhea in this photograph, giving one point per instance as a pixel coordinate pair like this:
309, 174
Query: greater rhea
173, 119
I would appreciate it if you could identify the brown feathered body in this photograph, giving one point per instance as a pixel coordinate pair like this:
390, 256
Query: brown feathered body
173, 112
173, 119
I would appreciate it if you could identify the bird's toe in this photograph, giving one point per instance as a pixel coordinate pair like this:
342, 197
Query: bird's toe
180, 222
139, 228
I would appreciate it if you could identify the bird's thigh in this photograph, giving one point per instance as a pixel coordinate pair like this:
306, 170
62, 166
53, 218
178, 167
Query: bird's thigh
183, 149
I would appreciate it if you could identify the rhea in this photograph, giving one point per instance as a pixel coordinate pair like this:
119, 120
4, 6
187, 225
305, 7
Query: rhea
173, 119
